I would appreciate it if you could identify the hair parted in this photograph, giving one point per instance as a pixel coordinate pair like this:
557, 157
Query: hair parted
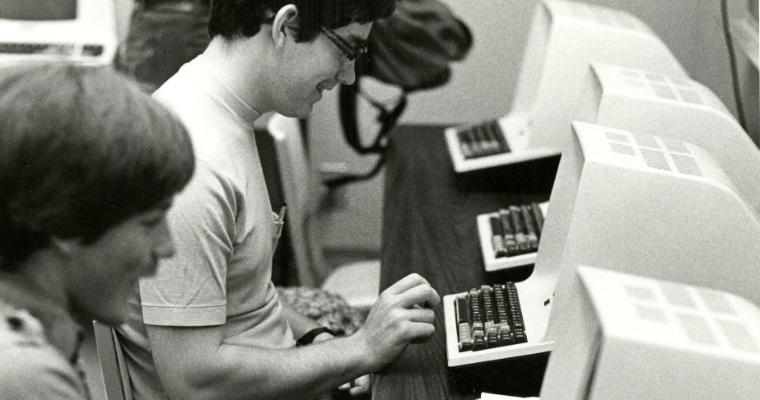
230, 18
82, 149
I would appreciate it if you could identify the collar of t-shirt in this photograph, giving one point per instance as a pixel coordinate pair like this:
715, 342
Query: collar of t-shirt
61, 330
201, 73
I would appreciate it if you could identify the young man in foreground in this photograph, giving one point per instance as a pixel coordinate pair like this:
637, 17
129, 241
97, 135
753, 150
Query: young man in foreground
210, 324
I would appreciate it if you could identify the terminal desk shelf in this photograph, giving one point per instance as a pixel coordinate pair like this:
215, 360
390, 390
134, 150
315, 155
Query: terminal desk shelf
429, 227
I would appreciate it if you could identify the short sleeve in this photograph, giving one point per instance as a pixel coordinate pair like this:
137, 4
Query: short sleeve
189, 289
37, 372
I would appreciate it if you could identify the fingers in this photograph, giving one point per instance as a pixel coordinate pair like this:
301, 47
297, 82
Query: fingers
421, 294
419, 317
414, 289
358, 386
420, 330
361, 385
406, 283
358, 390
424, 315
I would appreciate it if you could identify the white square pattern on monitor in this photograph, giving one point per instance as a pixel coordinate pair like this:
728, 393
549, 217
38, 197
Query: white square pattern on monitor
681, 315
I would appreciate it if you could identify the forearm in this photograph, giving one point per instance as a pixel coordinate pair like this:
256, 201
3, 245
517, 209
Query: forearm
242, 372
200, 363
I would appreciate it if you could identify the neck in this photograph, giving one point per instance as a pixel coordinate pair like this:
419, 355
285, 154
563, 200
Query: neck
239, 65
46, 274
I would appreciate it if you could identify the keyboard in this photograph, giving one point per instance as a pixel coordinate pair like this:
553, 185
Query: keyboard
481, 140
489, 317
516, 230
509, 237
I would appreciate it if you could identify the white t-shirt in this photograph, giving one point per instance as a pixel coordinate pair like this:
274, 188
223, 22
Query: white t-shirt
224, 233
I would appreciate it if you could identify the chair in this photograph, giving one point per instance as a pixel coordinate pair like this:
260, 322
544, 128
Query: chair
112, 363
357, 282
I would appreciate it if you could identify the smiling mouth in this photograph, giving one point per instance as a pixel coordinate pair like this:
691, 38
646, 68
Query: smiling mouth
321, 88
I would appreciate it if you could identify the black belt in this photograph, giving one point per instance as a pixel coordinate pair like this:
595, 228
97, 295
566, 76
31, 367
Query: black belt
178, 6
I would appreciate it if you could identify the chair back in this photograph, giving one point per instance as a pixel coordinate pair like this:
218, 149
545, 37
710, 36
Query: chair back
112, 363
299, 190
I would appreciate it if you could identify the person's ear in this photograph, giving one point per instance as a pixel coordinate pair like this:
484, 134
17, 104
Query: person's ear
286, 18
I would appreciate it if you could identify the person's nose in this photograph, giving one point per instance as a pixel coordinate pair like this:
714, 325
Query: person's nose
347, 74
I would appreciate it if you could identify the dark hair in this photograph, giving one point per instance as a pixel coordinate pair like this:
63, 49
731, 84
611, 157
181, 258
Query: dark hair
82, 149
230, 18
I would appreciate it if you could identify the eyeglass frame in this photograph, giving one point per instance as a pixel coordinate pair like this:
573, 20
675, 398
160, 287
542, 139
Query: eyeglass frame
351, 52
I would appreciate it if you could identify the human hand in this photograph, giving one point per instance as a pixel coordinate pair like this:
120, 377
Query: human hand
402, 314
358, 386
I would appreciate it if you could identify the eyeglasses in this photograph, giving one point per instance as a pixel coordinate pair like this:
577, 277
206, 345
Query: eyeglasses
351, 52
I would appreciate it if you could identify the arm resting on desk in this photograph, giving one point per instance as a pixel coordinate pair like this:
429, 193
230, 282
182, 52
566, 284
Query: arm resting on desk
214, 369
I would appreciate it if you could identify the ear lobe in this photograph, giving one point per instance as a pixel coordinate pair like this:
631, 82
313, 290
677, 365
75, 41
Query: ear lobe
286, 17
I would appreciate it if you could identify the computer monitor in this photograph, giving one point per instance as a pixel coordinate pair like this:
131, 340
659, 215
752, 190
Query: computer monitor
676, 107
632, 337
635, 203
652, 206
647, 102
81, 31
564, 38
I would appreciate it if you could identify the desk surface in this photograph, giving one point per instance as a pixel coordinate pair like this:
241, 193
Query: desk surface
429, 227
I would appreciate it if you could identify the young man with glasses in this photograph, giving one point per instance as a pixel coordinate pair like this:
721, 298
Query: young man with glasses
210, 325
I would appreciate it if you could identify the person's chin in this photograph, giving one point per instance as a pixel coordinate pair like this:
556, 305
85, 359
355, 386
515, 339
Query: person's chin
117, 310
115, 315
301, 112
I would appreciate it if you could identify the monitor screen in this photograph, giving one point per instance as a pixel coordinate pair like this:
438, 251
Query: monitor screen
38, 10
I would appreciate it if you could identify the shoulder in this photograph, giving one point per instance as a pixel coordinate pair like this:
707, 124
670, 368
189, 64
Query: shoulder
210, 188
37, 373
209, 208
18, 327
192, 103
30, 367
218, 136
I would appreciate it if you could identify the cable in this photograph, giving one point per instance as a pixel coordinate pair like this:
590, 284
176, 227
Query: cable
732, 62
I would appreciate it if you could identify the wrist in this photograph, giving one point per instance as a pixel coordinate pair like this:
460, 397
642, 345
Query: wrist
323, 337
359, 355
311, 336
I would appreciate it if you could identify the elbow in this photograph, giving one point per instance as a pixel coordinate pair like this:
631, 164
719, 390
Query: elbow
203, 382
